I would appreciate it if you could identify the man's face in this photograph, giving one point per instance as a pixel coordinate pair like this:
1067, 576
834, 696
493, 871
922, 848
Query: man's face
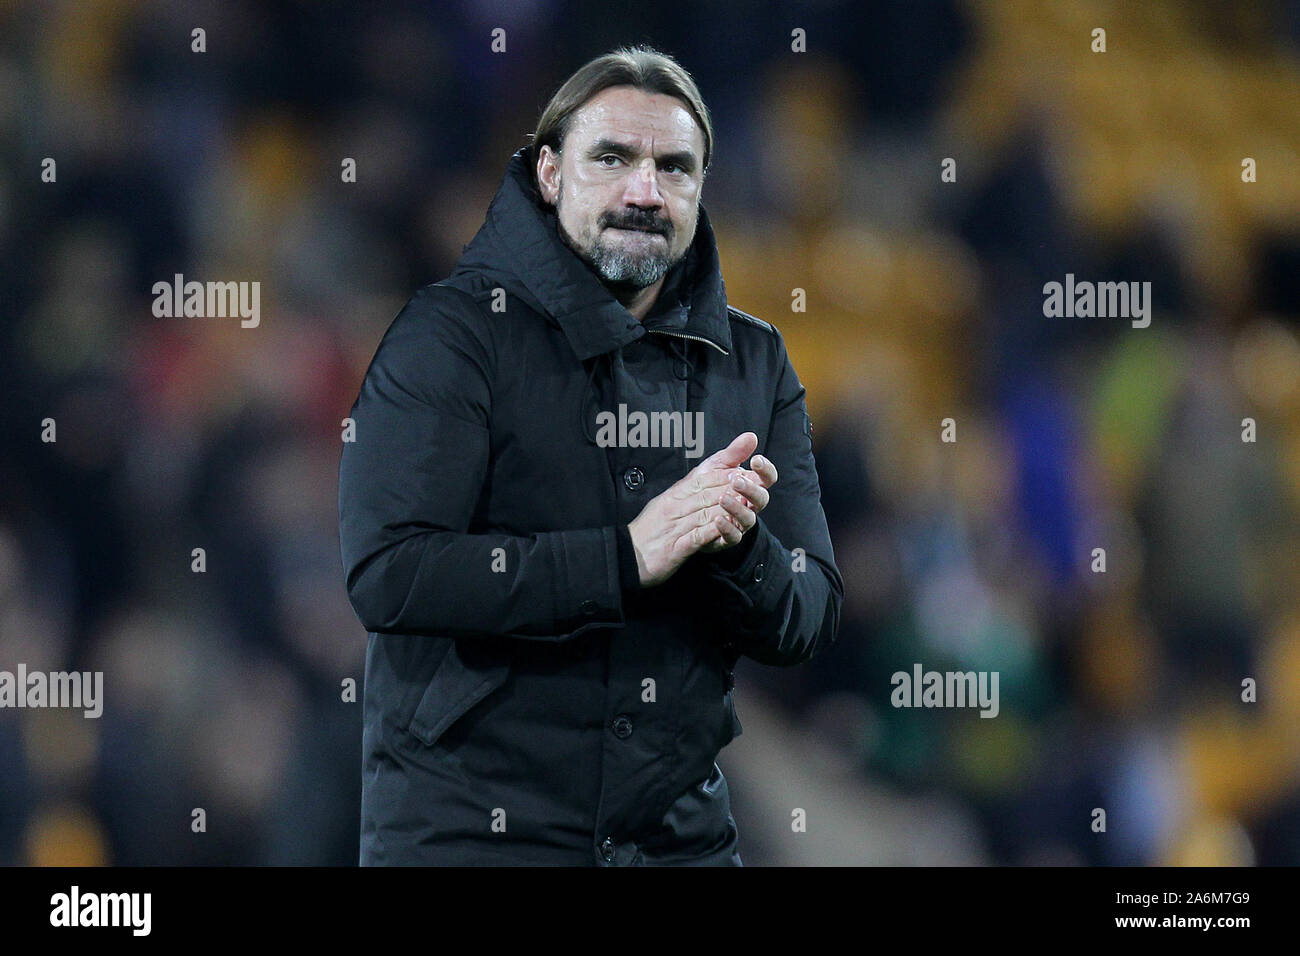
626, 186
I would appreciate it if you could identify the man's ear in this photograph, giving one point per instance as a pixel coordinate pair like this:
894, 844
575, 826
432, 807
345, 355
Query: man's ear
548, 174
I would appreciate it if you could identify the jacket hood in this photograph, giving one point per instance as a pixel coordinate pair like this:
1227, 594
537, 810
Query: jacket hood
519, 248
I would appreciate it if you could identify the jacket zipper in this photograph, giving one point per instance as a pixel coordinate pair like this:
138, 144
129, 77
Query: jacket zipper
683, 335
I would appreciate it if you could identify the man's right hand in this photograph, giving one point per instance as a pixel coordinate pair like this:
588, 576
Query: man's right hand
692, 514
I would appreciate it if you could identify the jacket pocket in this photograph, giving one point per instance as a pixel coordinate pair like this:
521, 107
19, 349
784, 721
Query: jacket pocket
457, 685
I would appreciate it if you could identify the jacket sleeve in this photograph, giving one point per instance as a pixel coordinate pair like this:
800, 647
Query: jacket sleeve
409, 485
779, 592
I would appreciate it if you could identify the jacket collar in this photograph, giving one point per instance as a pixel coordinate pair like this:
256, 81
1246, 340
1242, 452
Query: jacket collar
519, 247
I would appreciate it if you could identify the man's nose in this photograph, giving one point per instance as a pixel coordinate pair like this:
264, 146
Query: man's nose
642, 187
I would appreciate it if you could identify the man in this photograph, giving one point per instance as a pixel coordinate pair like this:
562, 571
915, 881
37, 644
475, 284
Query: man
557, 598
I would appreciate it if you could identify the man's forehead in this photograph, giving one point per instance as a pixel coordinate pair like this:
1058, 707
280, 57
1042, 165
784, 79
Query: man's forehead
634, 117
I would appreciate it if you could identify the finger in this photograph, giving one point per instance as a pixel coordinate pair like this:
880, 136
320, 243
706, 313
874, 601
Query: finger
765, 469
695, 493
698, 537
748, 475
729, 535
714, 480
748, 487
741, 447
716, 511
740, 512
751, 475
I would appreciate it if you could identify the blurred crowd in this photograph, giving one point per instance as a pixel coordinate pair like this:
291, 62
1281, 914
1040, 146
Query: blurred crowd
1120, 689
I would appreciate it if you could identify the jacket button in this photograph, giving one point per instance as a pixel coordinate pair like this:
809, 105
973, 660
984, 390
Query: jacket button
634, 478
622, 726
589, 607
607, 850
731, 680
758, 571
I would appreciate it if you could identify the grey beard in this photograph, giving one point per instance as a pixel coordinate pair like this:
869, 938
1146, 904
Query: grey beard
617, 268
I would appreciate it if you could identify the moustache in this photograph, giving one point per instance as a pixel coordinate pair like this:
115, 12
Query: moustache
652, 225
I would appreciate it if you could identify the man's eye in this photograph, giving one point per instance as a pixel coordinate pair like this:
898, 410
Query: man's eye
674, 166
607, 156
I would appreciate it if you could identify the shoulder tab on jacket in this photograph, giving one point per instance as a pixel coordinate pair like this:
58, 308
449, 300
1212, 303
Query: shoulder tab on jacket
481, 291
456, 290
735, 313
